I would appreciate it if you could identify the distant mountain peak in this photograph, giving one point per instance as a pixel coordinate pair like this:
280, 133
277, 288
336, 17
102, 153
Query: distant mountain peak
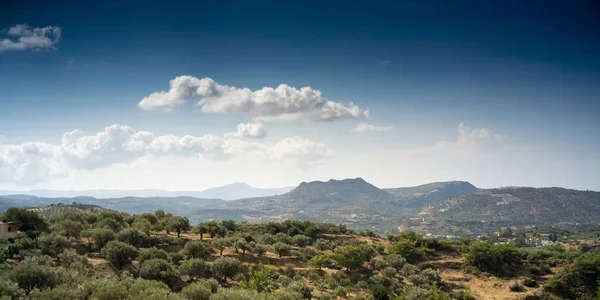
238, 184
344, 186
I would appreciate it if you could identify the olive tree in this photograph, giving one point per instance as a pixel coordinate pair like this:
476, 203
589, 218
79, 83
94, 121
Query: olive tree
102, 236
220, 244
194, 268
133, 237
158, 269
178, 224
351, 257
195, 249
282, 249
224, 267
319, 261
119, 254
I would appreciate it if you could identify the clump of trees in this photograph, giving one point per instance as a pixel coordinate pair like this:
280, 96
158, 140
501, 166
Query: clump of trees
579, 281
501, 259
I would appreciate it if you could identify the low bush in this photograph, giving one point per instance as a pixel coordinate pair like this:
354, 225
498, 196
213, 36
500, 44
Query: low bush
502, 259
516, 287
530, 282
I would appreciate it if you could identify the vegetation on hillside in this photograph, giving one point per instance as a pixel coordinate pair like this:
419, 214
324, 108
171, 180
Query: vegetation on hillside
442, 208
113, 255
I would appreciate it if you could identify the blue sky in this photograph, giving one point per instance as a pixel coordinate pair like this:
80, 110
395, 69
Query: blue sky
522, 77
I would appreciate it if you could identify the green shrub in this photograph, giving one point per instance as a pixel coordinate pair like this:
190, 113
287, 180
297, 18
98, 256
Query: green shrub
410, 250
389, 272
119, 254
153, 253
502, 259
133, 237
160, 270
53, 244
516, 287
194, 268
284, 280
395, 260
196, 249
36, 272
226, 267
540, 269
102, 236
340, 291
302, 288
363, 285
70, 259
261, 279
379, 264
580, 280
409, 269
197, 291
150, 290
10, 290
176, 257
426, 278
528, 282
415, 293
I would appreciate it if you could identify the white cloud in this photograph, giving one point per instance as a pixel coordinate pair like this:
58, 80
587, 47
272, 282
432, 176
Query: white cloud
22, 37
365, 127
283, 103
473, 138
34, 162
29, 163
303, 152
249, 130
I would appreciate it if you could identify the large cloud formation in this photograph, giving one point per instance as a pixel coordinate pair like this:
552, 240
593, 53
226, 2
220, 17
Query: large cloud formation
283, 103
22, 37
34, 162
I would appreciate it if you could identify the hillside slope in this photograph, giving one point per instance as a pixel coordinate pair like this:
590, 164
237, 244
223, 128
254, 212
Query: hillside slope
241, 190
421, 195
133, 205
350, 201
521, 206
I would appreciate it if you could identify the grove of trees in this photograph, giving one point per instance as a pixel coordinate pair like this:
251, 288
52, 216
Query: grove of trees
113, 255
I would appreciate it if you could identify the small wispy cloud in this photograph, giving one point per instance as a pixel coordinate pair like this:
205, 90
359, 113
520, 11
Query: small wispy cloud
386, 63
23, 37
73, 64
249, 130
366, 127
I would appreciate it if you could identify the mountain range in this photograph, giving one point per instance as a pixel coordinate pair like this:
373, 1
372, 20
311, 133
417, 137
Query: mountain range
228, 192
435, 207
